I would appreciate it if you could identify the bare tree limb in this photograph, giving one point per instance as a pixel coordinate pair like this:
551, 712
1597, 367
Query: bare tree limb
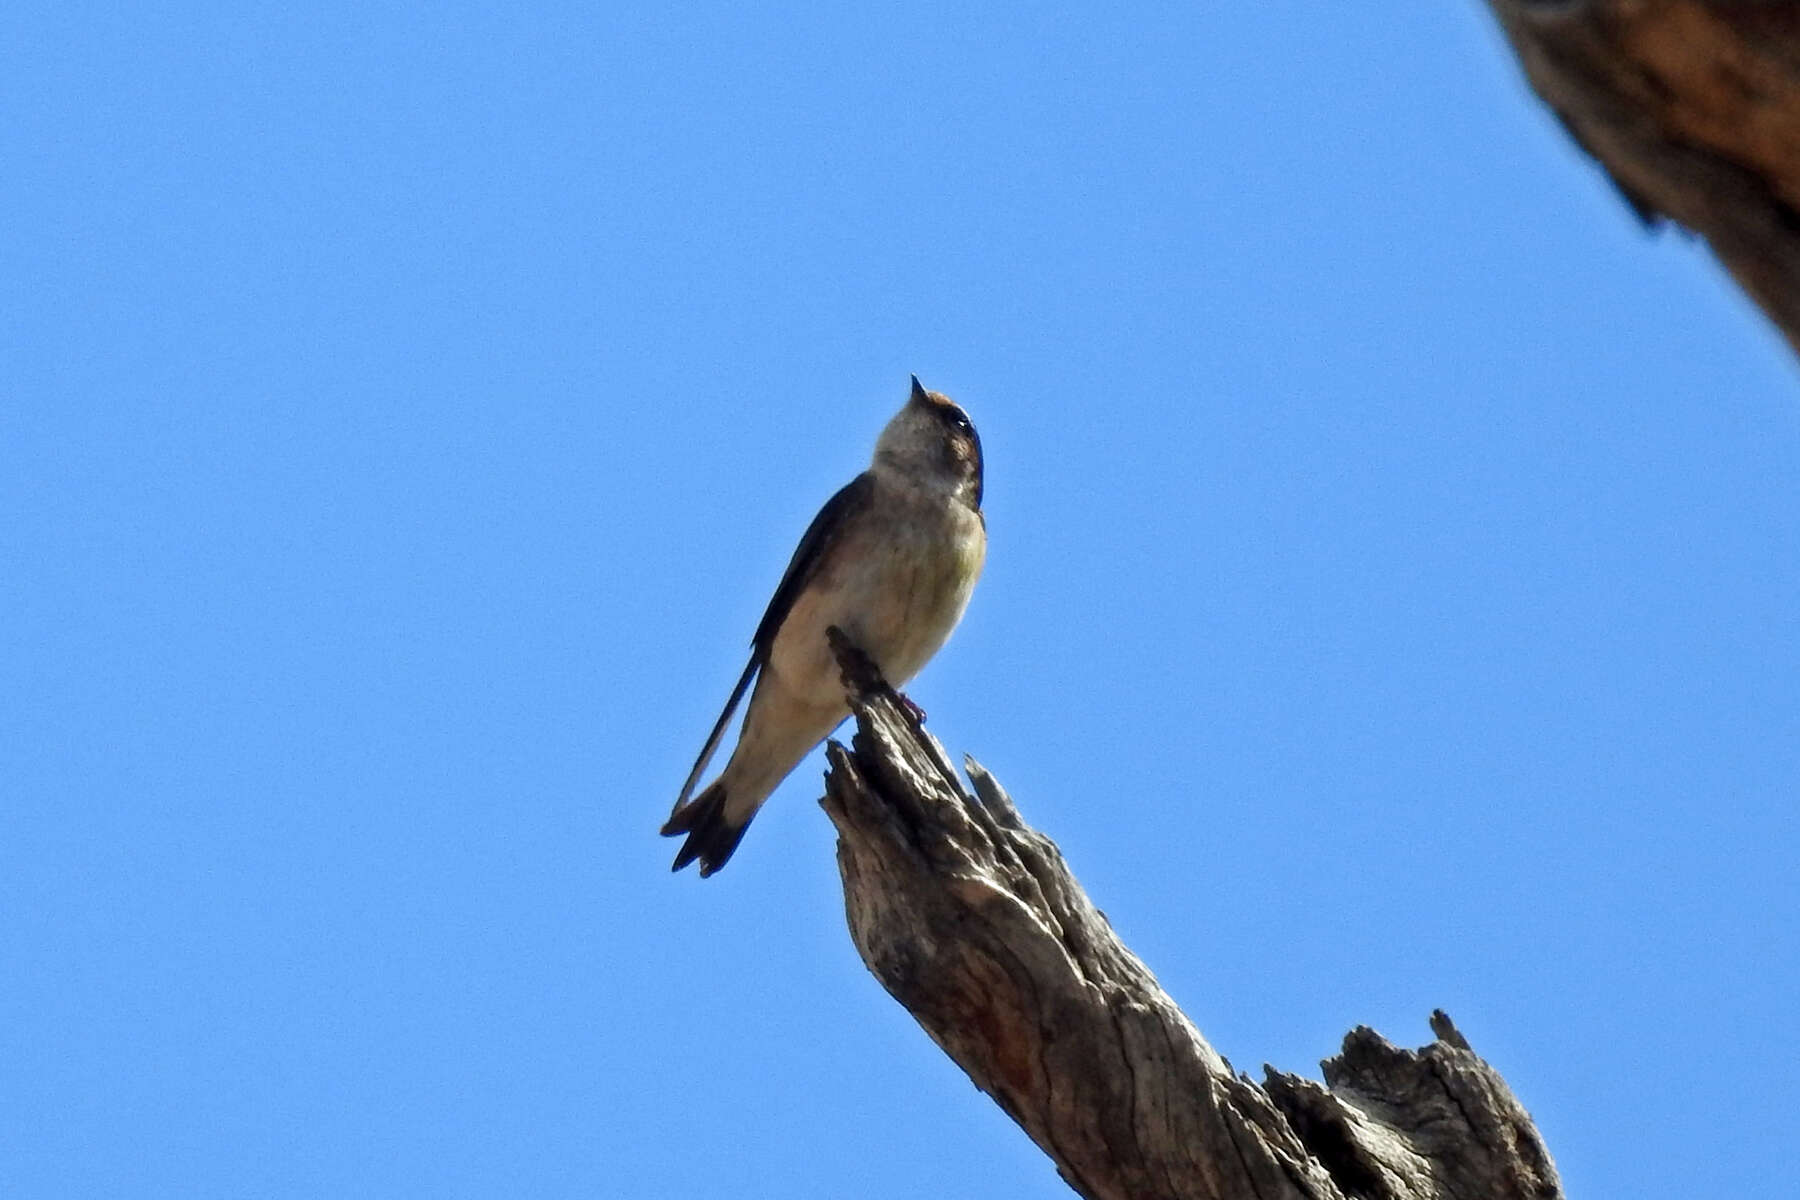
1693, 108
972, 921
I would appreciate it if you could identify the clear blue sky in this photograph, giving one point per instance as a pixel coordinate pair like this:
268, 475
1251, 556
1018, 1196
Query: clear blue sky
405, 413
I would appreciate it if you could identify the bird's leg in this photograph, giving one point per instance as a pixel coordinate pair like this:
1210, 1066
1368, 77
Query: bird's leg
862, 675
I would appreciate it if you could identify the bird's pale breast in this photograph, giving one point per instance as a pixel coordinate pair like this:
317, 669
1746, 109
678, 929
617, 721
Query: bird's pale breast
897, 584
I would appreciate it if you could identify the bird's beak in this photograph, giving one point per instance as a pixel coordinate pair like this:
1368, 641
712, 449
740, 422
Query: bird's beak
919, 395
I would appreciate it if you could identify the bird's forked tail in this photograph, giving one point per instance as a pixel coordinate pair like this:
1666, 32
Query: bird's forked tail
712, 835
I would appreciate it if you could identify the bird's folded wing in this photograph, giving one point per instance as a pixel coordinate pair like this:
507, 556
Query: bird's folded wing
718, 731
838, 514
826, 528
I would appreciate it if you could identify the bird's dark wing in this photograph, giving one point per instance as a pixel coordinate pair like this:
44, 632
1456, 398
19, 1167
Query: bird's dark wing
825, 529
718, 731
814, 543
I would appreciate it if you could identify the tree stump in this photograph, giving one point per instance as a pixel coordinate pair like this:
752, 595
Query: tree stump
973, 922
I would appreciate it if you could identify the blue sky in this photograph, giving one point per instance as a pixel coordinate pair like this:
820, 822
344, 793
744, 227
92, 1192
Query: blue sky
407, 412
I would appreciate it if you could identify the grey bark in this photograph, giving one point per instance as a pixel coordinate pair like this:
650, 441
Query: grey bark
1693, 109
972, 921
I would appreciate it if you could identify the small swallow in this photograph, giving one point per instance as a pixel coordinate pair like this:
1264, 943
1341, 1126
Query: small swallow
891, 560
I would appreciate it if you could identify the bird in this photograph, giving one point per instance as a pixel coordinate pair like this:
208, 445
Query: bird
891, 560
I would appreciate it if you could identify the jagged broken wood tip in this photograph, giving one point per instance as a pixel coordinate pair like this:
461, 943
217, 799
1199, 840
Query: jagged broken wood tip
1447, 1032
860, 673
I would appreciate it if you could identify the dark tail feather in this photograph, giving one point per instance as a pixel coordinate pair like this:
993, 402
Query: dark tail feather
711, 837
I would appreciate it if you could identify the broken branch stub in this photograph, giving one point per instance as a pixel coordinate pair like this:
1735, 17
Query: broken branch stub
973, 922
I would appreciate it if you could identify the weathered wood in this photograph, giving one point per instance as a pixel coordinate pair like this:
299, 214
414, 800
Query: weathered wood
972, 921
1693, 108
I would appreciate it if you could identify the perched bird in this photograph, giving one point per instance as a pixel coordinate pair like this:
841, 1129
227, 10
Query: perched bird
891, 560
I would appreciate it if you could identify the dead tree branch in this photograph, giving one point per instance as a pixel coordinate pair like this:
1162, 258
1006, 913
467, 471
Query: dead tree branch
1693, 109
972, 921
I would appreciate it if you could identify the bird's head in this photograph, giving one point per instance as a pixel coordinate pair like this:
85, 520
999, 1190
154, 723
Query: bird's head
931, 444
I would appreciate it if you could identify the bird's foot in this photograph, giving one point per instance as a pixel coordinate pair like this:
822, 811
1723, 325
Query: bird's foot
912, 710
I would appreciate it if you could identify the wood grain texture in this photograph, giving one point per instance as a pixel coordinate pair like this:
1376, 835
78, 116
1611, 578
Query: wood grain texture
1693, 109
973, 922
